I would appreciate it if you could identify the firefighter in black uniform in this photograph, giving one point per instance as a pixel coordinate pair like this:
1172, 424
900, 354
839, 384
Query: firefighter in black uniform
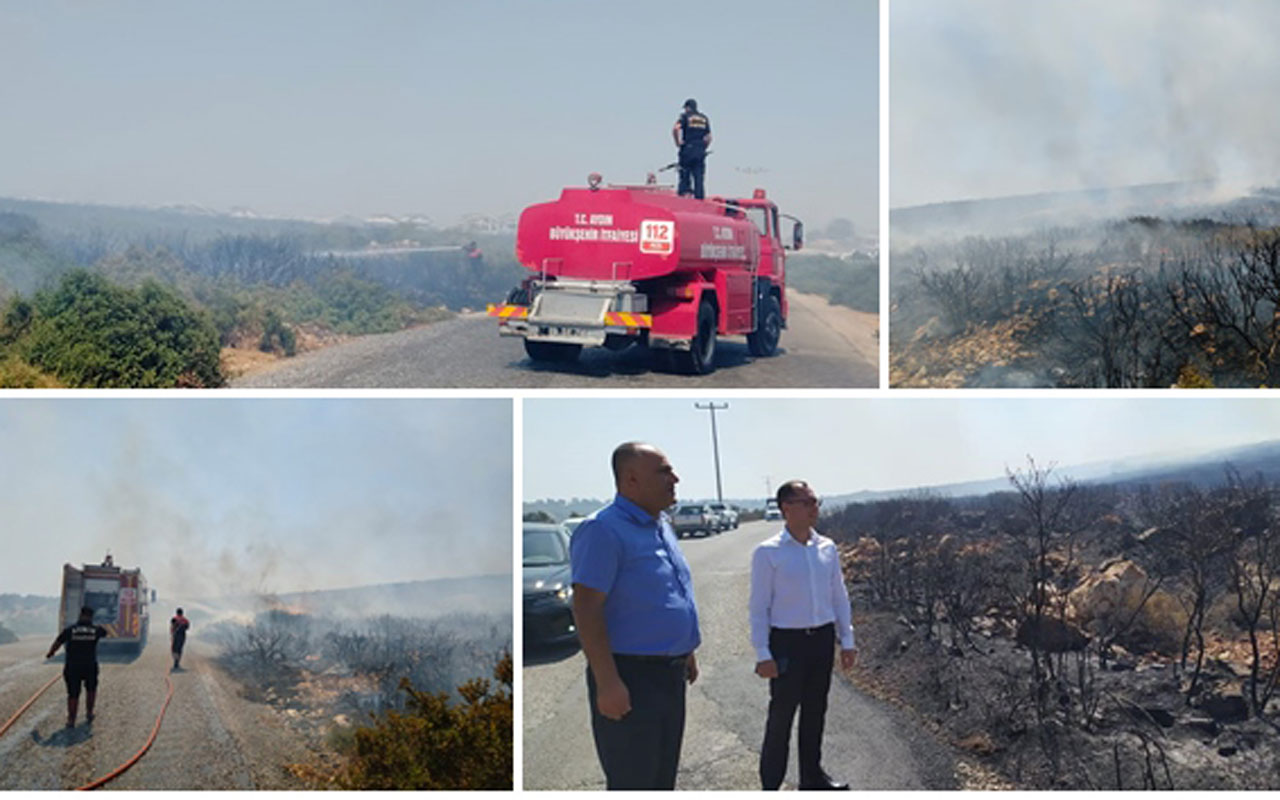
692, 133
81, 665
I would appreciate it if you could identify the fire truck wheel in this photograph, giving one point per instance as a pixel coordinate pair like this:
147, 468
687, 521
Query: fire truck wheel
701, 356
552, 351
764, 340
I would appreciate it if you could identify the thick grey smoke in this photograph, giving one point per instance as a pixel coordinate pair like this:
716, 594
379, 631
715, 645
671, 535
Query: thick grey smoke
246, 497
999, 97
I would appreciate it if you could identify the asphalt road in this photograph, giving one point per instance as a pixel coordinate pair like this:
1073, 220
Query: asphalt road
210, 737
869, 744
466, 352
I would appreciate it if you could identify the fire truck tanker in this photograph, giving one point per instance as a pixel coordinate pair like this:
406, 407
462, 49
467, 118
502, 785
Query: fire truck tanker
619, 265
119, 598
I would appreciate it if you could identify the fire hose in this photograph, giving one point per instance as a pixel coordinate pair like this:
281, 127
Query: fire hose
675, 164
120, 770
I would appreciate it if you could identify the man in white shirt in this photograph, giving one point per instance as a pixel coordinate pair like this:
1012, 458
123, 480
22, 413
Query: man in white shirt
799, 610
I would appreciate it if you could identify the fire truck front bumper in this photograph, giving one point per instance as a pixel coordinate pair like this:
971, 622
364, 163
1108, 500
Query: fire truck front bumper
589, 331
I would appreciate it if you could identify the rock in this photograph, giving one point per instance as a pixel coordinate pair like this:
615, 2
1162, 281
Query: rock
1227, 752
1225, 704
1116, 587
342, 721
1161, 716
1051, 635
979, 743
1203, 725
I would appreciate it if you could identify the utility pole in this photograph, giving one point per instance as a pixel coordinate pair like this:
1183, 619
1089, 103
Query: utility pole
715, 442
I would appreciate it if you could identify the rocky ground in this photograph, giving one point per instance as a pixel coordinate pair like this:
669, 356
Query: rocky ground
1144, 733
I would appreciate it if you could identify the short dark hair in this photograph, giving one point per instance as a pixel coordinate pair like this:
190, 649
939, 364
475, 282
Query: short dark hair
86, 611
790, 489
691, 104
623, 455
179, 611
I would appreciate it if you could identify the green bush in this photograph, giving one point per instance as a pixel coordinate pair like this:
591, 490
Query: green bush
854, 283
18, 374
275, 331
438, 744
91, 333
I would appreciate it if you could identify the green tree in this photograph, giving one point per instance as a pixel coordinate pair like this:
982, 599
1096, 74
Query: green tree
91, 333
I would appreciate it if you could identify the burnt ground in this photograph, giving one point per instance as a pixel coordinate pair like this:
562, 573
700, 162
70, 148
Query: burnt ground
1144, 735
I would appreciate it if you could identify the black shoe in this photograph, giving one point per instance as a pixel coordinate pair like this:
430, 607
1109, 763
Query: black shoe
88, 720
825, 782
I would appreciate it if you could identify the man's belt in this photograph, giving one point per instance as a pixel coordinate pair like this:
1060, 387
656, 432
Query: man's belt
807, 631
666, 661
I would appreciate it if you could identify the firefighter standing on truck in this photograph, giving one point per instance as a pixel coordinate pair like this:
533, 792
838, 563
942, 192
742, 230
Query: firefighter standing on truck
692, 133
81, 665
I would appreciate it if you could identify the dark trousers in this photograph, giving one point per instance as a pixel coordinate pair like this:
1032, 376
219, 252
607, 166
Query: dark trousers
642, 750
75, 674
692, 169
805, 659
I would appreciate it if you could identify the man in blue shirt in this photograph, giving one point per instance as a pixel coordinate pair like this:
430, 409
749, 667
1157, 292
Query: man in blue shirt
634, 609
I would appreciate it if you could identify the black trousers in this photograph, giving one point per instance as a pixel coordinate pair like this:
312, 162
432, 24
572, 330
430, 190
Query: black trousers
75, 674
642, 750
692, 169
805, 659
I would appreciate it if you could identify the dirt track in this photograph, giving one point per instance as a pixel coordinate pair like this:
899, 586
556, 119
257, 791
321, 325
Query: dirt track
210, 739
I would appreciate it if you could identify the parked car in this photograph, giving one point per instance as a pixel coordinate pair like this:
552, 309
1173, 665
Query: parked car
728, 515
548, 591
571, 524
692, 518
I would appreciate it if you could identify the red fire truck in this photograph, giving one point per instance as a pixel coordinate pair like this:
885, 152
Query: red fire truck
614, 266
119, 598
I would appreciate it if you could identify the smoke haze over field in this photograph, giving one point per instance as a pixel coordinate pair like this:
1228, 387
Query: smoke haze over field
1004, 97
255, 496
320, 108
854, 445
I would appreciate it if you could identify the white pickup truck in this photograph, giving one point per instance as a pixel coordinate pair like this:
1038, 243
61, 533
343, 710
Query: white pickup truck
691, 518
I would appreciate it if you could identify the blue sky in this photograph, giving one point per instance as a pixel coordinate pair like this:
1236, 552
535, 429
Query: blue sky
853, 445
257, 495
324, 107
999, 97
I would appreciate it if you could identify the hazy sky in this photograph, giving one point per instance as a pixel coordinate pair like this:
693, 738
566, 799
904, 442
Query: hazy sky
843, 446
998, 97
326, 107
235, 496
